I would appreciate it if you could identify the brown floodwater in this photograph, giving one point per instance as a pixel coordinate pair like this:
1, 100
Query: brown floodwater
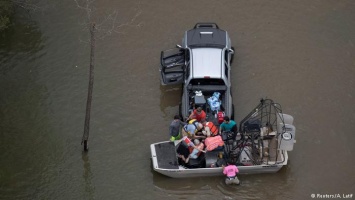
299, 53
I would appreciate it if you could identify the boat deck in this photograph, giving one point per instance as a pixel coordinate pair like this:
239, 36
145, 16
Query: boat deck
166, 155
271, 153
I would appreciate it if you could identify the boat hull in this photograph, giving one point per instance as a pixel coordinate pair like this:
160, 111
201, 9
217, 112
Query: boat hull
182, 172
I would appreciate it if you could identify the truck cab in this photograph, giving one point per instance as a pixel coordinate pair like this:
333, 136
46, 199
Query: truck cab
202, 65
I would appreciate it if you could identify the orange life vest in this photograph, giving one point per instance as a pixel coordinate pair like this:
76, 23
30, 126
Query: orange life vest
213, 128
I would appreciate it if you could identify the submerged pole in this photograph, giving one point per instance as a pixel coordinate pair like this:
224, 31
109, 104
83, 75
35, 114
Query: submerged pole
91, 84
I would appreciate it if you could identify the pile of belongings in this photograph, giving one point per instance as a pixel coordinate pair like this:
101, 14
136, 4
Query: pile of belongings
214, 101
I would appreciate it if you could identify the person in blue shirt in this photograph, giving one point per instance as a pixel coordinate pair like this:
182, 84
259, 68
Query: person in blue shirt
190, 130
228, 125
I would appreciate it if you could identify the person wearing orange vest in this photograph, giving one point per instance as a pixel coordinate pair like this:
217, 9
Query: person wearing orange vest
210, 129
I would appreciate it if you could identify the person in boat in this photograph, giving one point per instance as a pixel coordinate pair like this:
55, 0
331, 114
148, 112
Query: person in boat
198, 114
209, 129
192, 129
228, 125
231, 172
175, 128
213, 143
195, 150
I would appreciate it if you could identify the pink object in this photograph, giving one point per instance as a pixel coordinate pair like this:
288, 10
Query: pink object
231, 170
213, 142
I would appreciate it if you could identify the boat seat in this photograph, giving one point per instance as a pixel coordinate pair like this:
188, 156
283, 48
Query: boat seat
183, 150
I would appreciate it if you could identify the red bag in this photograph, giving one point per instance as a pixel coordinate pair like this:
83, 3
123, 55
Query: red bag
220, 117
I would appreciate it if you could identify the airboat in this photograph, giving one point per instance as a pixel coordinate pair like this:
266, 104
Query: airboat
260, 145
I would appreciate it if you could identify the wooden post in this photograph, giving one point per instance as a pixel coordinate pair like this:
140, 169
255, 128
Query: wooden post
91, 84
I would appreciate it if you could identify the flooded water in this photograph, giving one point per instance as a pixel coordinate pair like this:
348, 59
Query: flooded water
300, 53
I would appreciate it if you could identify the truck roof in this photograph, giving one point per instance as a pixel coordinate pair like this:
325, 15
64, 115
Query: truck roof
206, 62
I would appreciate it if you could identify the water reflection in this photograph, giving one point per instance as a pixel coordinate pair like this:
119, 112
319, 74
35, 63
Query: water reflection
24, 125
170, 97
184, 186
252, 186
209, 187
87, 175
20, 42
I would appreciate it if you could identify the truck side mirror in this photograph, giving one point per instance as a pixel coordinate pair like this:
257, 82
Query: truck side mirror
179, 46
231, 51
